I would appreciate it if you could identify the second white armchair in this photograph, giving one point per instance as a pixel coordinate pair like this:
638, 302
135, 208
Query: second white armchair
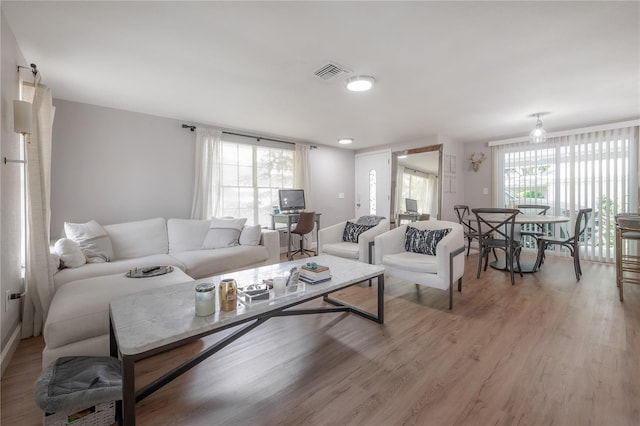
331, 240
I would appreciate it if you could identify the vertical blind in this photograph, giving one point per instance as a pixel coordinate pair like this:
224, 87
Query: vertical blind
597, 170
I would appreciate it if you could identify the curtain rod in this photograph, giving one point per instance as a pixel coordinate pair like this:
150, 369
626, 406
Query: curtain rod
259, 138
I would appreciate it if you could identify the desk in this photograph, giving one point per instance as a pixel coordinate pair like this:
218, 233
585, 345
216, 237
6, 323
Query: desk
289, 219
521, 219
412, 217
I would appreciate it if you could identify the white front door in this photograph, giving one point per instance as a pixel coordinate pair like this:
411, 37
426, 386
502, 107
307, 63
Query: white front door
373, 183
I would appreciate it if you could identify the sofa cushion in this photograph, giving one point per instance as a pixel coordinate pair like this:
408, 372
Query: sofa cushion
342, 249
80, 309
92, 239
91, 270
70, 253
250, 235
186, 234
223, 233
205, 263
139, 238
414, 262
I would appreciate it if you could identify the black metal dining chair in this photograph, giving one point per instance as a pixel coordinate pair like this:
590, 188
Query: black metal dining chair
572, 243
533, 231
496, 230
470, 233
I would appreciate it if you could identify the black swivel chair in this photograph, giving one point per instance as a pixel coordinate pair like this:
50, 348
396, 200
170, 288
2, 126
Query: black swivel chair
470, 233
306, 220
572, 243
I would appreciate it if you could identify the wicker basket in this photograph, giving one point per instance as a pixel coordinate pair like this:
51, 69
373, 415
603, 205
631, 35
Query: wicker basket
102, 414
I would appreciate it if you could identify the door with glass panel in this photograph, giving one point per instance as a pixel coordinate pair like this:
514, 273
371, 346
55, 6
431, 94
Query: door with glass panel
373, 183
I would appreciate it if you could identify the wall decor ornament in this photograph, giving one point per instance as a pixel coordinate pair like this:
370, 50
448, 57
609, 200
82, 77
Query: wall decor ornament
476, 160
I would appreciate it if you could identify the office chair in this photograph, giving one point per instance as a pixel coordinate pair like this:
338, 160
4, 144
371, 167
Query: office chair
305, 224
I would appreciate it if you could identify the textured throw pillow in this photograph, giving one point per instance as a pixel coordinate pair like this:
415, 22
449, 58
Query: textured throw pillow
92, 239
423, 242
250, 235
71, 255
223, 233
352, 231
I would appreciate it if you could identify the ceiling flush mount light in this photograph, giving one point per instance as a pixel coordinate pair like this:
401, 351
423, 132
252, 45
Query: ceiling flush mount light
345, 141
538, 134
360, 83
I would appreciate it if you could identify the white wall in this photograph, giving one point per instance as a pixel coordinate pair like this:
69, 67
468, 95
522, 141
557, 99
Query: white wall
114, 166
10, 268
333, 172
476, 182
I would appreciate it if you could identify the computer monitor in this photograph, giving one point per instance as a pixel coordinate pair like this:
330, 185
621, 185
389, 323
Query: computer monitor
411, 205
291, 199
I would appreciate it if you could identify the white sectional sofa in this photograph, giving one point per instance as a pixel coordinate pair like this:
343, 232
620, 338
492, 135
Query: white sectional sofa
78, 319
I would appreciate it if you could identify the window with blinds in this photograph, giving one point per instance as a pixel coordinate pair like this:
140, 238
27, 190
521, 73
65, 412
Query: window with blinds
597, 170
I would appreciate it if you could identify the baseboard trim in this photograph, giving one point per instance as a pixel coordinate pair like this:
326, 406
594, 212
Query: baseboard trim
10, 349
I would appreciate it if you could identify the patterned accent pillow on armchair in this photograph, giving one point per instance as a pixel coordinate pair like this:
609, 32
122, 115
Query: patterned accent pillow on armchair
423, 242
352, 231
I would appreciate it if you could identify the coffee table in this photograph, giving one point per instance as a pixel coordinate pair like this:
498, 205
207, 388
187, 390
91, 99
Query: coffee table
154, 321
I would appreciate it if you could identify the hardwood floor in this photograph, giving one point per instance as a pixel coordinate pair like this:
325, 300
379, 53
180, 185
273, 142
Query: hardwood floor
547, 350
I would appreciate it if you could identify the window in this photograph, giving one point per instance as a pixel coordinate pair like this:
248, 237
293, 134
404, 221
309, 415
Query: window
251, 178
591, 170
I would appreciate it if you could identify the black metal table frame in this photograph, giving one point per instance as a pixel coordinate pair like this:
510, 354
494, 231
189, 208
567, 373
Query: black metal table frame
126, 407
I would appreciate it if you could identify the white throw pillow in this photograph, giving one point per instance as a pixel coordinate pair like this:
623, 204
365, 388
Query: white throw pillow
250, 235
223, 233
92, 239
70, 253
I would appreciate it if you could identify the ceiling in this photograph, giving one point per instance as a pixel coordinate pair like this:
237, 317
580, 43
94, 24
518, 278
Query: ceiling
467, 71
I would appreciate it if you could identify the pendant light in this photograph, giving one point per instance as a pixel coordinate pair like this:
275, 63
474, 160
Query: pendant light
538, 134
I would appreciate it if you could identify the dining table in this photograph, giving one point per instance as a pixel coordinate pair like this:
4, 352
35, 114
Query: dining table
520, 219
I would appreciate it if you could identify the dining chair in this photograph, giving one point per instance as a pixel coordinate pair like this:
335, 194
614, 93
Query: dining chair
470, 233
533, 231
496, 231
305, 224
572, 243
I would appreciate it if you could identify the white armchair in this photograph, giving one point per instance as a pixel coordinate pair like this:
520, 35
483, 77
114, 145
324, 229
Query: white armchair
330, 241
439, 271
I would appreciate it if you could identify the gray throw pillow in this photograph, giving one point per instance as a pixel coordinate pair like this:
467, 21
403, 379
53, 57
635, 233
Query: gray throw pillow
425, 241
352, 231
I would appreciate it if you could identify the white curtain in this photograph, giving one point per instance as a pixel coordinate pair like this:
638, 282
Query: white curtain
208, 169
39, 274
302, 173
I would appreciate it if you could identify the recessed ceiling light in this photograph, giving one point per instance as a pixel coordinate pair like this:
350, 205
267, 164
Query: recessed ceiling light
403, 156
345, 141
360, 83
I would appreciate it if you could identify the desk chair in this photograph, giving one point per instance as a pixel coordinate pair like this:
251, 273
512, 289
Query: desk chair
305, 224
572, 243
535, 230
494, 235
470, 233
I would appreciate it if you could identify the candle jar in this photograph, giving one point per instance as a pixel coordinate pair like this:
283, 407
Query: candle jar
228, 294
205, 299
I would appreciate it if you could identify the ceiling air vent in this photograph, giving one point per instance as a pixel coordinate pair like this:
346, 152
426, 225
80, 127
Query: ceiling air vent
330, 71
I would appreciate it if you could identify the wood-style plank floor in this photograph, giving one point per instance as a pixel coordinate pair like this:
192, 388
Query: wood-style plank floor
546, 351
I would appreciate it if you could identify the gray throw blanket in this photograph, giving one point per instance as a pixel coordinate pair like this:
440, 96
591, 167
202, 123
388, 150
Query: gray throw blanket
370, 220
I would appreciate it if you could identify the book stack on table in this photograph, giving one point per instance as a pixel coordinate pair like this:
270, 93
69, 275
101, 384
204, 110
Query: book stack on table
316, 275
